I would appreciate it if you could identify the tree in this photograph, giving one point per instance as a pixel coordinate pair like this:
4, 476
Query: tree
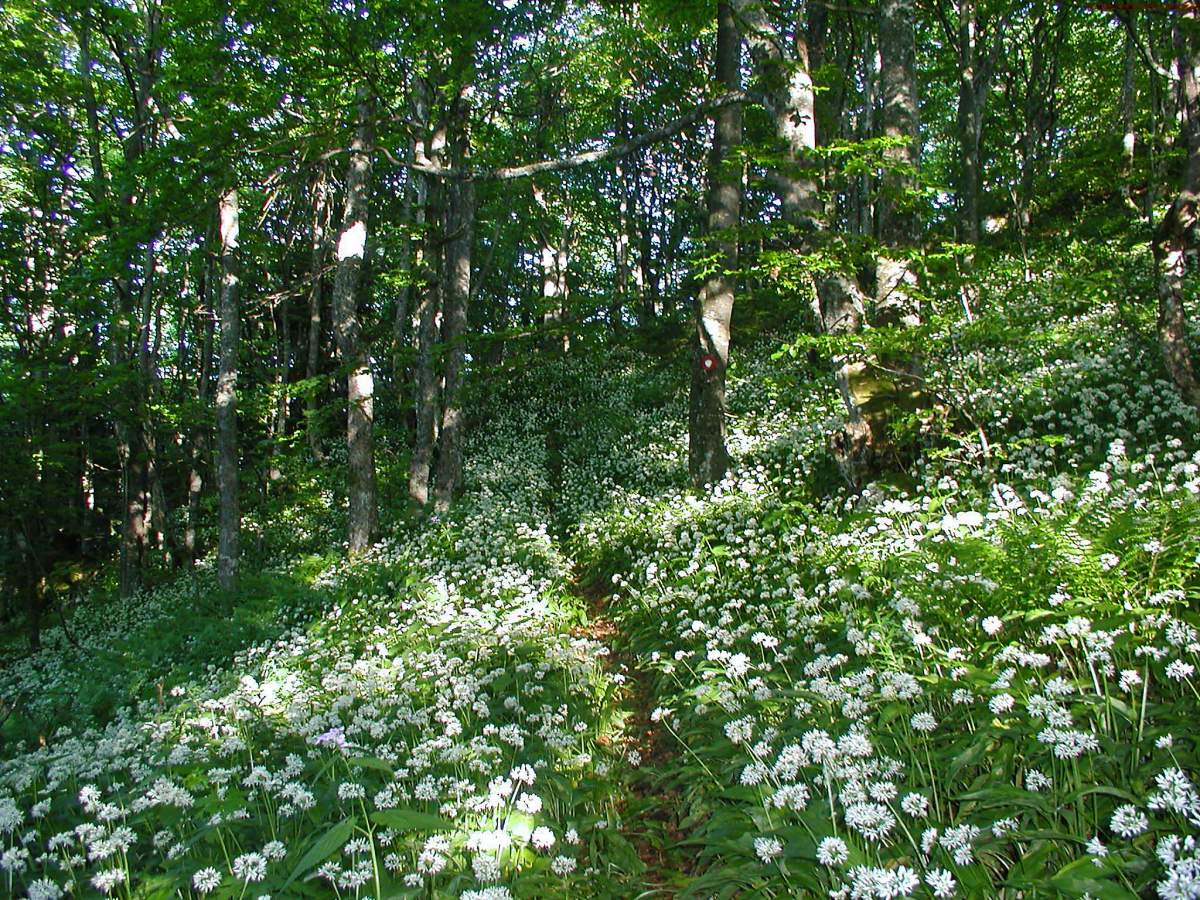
227, 428
319, 226
360, 385
708, 458
896, 218
430, 148
783, 68
1175, 236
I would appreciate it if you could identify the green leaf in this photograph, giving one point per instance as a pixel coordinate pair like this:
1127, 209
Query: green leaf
1003, 795
324, 847
410, 820
371, 762
1100, 789
1083, 877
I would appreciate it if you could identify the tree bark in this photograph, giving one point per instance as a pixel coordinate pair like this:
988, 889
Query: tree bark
283, 381
972, 87
425, 402
316, 266
413, 218
1128, 129
896, 221
416, 190
460, 221
425, 376
200, 435
708, 458
227, 438
1175, 237
554, 261
784, 70
360, 386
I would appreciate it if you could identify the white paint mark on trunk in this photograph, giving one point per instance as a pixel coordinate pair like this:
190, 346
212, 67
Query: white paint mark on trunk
353, 241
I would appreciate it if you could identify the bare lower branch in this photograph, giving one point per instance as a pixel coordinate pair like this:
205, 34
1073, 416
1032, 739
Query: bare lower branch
588, 157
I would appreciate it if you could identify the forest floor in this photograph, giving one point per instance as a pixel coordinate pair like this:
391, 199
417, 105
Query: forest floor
974, 677
648, 808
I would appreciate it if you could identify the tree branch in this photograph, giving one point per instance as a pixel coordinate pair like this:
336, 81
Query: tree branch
588, 157
1147, 53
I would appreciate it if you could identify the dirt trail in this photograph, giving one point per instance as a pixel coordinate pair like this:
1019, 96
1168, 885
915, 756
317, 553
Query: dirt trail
648, 811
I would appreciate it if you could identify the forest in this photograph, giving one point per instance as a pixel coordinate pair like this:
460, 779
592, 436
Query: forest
500, 449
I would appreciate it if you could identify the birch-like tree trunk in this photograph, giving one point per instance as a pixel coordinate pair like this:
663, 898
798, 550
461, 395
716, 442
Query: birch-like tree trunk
1128, 128
360, 385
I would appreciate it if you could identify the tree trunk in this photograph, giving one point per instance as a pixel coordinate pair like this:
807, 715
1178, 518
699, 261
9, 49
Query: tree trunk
360, 402
200, 437
863, 212
227, 438
431, 150
623, 241
621, 246
971, 84
320, 224
708, 458
461, 228
416, 190
1128, 129
283, 380
1175, 237
425, 376
897, 223
413, 217
838, 304
554, 293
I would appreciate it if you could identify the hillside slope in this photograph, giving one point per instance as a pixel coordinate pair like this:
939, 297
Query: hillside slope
976, 678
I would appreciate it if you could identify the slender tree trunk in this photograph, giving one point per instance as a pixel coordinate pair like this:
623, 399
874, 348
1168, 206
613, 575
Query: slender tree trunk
621, 244
283, 379
1175, 237
410, 262
647, 277
227, 437
131, 456
461, 225
864, 210
1128, 129
360, 400
554, 261
425, 380
623, 241
708, 458
1038, 92
320, 224
200, 436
